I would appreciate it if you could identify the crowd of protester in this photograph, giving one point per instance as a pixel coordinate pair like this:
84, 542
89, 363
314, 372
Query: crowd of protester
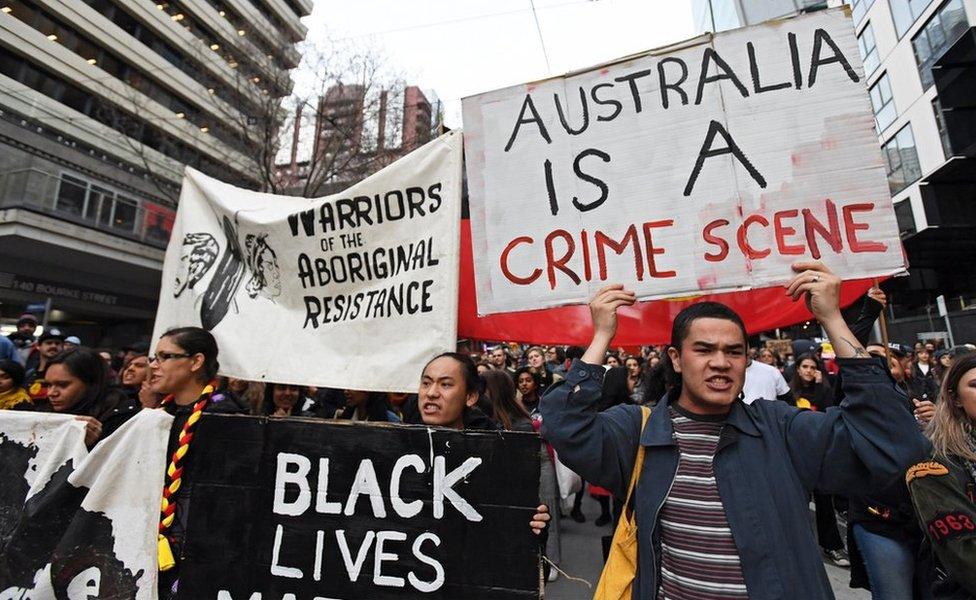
501, 386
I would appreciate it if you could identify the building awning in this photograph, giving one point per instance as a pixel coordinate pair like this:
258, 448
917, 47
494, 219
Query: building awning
941, 247
958, 170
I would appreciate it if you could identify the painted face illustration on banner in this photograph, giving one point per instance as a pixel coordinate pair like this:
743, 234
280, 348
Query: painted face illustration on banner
196, 257
263, 265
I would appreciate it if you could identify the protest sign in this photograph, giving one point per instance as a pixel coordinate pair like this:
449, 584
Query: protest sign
705, 167
75, 524
300, 508
292, 287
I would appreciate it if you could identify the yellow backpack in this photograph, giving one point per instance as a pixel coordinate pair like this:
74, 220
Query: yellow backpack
617, 578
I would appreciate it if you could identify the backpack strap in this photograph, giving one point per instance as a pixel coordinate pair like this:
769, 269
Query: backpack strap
639, 460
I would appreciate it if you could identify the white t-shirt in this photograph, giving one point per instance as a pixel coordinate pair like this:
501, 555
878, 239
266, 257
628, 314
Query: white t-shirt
763, 381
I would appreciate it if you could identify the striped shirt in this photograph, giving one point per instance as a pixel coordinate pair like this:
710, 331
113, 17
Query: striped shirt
699, 560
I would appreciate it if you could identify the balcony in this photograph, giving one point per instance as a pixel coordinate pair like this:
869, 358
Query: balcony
88, 203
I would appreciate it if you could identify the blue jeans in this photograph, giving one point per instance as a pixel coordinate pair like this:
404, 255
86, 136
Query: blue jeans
893, 570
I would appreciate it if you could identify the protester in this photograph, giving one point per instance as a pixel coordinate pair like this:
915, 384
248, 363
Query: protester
23, 338
942, 364
78, 385
767, 356
500, 392
449, 387
8, 350
48, 345
184, 368
135, 382
71, 342
766, 382
498, 359
282, 400
251, 394
772, 454
809, 386
529, 392
556, 360
612, 360
12, 393
536, 361
367, 406
942, 487
635, 378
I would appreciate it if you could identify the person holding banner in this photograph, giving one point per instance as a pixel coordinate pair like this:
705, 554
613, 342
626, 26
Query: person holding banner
77, 384
184, 369
721, 504
449, 388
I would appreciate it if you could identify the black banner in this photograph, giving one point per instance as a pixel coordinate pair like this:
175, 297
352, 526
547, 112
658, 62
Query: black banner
302, 509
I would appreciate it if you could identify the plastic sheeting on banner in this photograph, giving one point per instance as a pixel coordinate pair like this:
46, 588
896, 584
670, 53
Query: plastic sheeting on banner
643, 323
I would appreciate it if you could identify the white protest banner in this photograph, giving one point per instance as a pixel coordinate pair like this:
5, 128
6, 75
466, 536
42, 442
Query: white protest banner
707, 166
74, 523
356, 290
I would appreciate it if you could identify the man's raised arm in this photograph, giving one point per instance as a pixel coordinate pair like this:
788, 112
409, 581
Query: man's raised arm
600, 446
869, 440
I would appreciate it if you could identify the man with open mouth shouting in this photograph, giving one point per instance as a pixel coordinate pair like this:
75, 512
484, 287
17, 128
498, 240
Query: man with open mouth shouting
721, 502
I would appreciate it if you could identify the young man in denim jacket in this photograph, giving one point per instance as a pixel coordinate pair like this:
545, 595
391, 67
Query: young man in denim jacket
722, 501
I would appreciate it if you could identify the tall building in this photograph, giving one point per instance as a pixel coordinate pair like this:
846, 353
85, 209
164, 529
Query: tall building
720, 15
920, 65
354, 132
102, 103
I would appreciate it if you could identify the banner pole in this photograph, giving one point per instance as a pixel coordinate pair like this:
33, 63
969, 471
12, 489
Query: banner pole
883, 321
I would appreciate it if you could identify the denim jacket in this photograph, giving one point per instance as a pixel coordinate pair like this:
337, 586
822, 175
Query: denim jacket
769, 458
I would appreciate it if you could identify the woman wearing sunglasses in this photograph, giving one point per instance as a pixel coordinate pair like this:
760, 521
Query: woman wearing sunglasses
184, 370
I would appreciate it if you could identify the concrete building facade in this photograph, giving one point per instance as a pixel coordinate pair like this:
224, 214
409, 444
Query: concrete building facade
930, 178
102, 104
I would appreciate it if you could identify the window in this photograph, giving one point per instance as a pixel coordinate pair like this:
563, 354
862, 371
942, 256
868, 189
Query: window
905, 12
882, 102
901, 160
859, 8
71, 195
124, 214
941, 126
905, 217
98, 198
942, 30
869, 50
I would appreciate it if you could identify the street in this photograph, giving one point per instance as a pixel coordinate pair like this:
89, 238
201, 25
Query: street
582, 559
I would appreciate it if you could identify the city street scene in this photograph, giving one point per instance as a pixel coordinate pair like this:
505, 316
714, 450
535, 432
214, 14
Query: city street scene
523, 299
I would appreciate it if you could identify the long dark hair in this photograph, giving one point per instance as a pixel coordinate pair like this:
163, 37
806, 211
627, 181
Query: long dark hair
89, 367
268, 405
194, 340
376, 408
656, 384
797, 382
614, 388
13, 369
500, 390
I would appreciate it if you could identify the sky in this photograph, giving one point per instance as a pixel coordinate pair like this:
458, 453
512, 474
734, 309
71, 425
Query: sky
464, 47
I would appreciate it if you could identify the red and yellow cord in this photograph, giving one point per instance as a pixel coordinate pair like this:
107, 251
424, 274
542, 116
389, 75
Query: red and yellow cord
174, 477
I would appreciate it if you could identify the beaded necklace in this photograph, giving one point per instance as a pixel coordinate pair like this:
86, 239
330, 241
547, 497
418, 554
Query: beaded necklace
174, 476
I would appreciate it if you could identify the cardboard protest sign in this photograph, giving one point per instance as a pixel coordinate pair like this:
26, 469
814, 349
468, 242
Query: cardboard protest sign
301, 508
292, 287
709, 166
75, 524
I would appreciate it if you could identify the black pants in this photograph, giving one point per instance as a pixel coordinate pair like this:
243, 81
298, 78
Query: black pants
827, 533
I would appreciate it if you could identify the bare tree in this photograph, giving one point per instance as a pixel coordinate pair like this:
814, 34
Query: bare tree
333, 120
